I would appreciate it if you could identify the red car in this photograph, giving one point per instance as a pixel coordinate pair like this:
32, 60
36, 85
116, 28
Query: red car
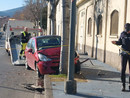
43, 55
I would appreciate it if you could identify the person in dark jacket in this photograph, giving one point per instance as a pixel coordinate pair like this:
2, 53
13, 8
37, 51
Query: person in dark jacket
24, 39
124, 41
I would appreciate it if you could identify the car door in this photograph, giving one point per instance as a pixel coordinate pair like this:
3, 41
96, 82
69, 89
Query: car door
32, 54
27, 52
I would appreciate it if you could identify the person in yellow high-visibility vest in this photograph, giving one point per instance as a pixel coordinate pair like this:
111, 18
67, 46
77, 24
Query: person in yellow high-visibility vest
24, 39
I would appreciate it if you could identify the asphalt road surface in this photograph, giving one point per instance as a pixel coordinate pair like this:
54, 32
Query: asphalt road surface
16, 81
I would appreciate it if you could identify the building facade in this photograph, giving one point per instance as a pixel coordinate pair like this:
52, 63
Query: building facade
98, 23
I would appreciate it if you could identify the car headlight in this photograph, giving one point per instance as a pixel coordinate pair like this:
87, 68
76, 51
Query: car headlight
43, 57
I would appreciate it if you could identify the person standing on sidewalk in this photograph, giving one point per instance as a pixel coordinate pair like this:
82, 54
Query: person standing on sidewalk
124, 41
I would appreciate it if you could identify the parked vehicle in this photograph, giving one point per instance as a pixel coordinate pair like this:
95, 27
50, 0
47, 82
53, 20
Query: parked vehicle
43, 55
13, 31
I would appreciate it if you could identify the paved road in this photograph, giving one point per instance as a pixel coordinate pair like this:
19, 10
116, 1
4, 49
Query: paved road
16, 81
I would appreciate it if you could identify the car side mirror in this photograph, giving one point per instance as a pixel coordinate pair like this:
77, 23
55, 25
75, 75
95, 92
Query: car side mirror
30, 50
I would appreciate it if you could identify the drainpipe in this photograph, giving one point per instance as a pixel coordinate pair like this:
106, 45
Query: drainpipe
85, 32
92, 55
125, 12
105, 32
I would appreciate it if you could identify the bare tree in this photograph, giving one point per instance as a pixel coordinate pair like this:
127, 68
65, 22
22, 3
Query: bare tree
35, 8
28, 15
35, 11
18, 15
52, 4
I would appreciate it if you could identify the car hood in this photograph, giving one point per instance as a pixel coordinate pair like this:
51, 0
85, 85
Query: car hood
51, 51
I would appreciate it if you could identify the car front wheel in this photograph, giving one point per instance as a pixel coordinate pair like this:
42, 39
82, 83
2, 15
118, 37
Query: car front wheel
26, 65
38, 72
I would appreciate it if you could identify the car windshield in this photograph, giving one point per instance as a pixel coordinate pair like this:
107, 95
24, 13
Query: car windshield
48, 42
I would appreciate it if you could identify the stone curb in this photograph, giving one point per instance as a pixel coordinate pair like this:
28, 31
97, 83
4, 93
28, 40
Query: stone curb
48, 87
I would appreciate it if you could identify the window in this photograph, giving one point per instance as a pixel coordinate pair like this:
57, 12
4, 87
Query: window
29, 43
89, 26
48, 42
99, 25
114, 23
33, 46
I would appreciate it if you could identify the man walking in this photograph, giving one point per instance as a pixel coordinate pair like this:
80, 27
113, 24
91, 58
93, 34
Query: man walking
124, 41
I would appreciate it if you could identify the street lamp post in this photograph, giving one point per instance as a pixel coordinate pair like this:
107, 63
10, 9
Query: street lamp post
70, 84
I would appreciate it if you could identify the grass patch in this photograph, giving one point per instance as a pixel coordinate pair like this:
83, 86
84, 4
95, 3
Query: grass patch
59, 76
56, 78
63, 77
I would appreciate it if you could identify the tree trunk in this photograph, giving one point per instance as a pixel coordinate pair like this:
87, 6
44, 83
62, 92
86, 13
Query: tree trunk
52, 17
48, 19
64, 36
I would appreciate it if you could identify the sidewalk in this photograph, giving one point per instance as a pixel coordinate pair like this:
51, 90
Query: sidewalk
103, 82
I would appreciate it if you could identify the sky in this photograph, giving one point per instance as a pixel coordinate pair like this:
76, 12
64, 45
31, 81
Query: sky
10, 4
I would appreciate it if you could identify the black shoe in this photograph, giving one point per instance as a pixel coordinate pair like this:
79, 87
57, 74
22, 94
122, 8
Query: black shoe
123, 89
129, 87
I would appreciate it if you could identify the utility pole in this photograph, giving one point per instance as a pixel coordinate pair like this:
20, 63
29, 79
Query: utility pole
64, 36
70, 84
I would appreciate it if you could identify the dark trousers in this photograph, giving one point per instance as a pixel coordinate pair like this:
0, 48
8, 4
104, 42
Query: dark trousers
124, 59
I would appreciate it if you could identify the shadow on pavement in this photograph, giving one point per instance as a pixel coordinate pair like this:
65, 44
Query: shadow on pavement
101, 75
89, 96
16, 89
